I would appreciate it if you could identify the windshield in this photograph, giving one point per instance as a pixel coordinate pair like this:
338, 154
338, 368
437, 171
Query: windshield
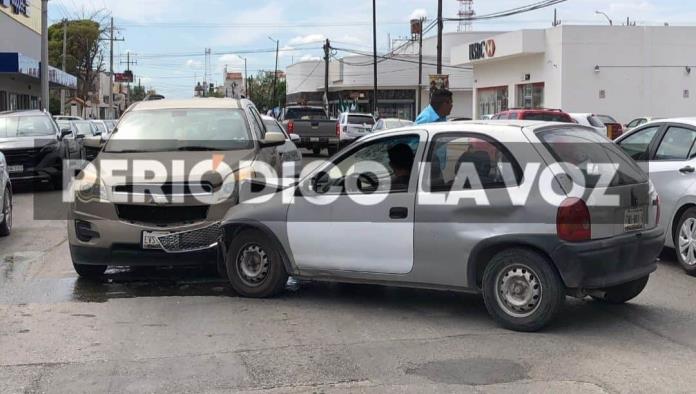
101, 127
305, 114
361, 119
84, 128
30, 126
593, 154
181, 129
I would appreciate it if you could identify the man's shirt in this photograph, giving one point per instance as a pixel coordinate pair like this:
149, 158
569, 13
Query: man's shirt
429, 115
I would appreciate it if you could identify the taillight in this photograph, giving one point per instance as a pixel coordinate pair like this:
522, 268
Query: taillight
291, 127
573, 221
338, 130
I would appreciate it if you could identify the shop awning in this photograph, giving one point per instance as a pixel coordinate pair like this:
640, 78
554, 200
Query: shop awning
16, 63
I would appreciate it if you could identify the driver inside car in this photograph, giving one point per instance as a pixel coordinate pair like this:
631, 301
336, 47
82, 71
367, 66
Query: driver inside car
401, 162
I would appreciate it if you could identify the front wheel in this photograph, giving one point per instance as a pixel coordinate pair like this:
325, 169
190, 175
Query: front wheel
255, 266
6, 224
685, 241
621, 294
521, 289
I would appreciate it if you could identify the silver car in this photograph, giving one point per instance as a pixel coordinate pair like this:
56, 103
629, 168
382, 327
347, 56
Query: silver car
5, 199
454, 206
667, 149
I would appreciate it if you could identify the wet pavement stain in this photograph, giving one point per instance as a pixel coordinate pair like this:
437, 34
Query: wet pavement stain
472, 371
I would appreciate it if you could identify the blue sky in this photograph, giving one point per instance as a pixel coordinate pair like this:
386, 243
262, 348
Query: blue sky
168, 37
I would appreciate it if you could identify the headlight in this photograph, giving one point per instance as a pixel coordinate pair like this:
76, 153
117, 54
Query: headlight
88, 187
231, 184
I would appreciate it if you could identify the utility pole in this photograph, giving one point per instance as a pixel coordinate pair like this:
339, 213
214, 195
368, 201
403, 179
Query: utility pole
374, 54
128, 64
44, 55
327, 51
420, 68
439, 36
111, 40
65, 46
275, 76
246, 77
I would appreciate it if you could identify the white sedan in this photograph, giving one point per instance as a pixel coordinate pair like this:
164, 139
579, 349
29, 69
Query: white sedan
591, 120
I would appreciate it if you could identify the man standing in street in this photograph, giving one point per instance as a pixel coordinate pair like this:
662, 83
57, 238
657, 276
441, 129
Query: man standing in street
440, 107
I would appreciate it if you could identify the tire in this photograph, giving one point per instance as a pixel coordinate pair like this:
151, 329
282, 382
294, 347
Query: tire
621, 294
316, 151
681, 235
261, 274
332, 150
6, 224
522, 290
89, 271
57, 182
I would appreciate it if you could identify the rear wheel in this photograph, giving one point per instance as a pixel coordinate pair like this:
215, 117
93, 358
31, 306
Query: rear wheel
623, 293
6, 224
333, 150
255, 266
685, 241
89, 271
521, 289
316, 151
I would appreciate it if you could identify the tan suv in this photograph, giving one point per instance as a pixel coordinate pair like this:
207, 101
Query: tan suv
157, 190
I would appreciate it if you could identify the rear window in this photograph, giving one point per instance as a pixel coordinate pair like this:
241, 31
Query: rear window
606, 119
305, 114
547, 117
360, 119
273, 126
593, 154
594, 121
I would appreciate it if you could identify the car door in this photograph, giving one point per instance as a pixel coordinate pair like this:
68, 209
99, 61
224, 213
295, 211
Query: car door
356, 213
271, 156
673, 167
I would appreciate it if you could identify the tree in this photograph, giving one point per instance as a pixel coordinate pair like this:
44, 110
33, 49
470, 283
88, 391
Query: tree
137, 93
84, 57
261, 89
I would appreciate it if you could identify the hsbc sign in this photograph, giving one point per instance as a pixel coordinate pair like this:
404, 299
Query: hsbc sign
482, 50
18, 7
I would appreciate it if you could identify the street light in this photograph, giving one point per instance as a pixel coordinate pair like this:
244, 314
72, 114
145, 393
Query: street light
275, 75
611, 23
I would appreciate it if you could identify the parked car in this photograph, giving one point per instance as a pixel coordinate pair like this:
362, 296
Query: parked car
119, 220
590, 120
666, 148
35, 148
90, 136
102, 127
344, 224
288, 152
488, 117
351, 126
542, 114
638, 122
66, 117
391, 123
614, 127
316, 130
5, 199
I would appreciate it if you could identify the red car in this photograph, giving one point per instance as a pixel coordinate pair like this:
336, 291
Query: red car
543, 114
614, 128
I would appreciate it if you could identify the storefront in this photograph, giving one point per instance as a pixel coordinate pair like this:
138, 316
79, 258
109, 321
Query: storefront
20, 49
622, 71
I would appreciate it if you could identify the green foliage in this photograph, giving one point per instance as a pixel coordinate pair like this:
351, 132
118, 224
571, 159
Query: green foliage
260, 88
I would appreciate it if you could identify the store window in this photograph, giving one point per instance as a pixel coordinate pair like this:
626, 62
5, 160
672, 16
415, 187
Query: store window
492, 100
530, 95
3, 101
12, 102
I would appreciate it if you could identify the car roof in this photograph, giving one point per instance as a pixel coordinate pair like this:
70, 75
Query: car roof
504, 130
691, 121
357, 113
23, 112
396, 119
266, 117
196, 103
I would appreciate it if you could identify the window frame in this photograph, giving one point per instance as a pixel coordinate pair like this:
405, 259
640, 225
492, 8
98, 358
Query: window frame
663, 134
517, 168
652, 146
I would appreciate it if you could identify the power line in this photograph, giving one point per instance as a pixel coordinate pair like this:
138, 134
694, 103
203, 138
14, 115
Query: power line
397, 59
514, 11
180, 25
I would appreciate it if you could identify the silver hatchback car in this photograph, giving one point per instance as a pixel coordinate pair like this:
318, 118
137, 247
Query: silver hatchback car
525, 213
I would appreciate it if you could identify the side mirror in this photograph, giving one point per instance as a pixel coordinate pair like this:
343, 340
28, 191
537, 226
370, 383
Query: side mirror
272, 139
64, 133
294, 138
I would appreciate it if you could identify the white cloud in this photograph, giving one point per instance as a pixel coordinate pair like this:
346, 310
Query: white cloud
309, 58
308, 39
418, 13
286, 51
194, 64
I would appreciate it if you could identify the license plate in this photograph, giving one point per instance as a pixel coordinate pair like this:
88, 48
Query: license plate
634, 219
314, 139
17, 168
150, 239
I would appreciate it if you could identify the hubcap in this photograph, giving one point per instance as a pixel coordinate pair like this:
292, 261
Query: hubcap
687, 242
7, 210
518, 290
253, 265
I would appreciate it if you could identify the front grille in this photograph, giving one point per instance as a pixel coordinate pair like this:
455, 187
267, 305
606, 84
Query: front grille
26, 157
190, 241
154, 214
168, 188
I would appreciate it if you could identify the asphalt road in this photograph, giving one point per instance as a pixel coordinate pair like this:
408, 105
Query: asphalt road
184, 330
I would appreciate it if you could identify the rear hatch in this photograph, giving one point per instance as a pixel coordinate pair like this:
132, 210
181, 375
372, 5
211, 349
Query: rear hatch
617, 192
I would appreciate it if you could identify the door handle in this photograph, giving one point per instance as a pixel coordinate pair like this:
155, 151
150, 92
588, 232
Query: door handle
687, 170
398, 213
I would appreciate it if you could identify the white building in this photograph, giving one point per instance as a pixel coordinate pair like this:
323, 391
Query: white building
623, 71
351, 79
